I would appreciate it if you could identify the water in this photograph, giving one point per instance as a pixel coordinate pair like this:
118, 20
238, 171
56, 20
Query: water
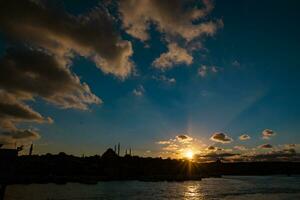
270, 187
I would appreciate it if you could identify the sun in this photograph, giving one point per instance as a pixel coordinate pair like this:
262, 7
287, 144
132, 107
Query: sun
189, 154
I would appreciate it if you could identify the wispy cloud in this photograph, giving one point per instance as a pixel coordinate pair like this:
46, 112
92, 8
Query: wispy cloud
139, 91
205, 70
165, 79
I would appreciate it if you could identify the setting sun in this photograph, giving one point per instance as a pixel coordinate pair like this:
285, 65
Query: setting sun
189, 154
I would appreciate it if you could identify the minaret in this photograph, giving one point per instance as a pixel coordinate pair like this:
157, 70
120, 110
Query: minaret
119, 149
31, 149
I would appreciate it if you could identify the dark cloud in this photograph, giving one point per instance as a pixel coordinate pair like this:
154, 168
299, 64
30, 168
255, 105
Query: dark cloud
278, 155
221, 137
244, 137
289, 150
43, 41
213, 148
91, 35
281, 155
266, 146
184, 138
27, 73
23, 136
13, 111
267, 134
213, 156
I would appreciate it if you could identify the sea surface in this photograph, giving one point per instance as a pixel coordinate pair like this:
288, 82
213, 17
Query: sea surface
229, 187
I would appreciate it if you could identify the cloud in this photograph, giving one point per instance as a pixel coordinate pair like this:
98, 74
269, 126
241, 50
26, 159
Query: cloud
171, 147
244, 137
221, 137
139, 91
27, 73
213, 156
286, 154
23, 136
165, 79
266, 146
178, 145
43, 41
172, 17
240, 148
91, 35
163, 142
175, 56
280, 155
176, 20
267, 134
213, 148
13, 111
236, 63
184, 138
204, 70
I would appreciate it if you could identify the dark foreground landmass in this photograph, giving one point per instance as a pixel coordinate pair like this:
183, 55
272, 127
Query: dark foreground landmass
64, 168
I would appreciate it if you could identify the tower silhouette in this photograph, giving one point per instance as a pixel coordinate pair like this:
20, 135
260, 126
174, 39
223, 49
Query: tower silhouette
119, 149
31, 149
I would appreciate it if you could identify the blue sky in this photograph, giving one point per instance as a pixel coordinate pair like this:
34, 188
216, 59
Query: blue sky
249, 83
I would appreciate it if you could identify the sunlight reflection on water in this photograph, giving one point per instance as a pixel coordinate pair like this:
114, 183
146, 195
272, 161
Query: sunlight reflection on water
270, 187
193, 191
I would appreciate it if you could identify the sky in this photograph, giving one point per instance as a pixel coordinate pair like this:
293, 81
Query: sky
219, 78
